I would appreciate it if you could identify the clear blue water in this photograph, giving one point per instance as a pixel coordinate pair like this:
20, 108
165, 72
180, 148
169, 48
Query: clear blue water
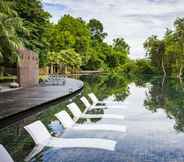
154, 117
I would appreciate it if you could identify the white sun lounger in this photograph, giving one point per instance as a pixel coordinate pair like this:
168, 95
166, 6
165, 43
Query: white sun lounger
69, 123
73, 107
4, 155
90, 107
41, 136
95, 100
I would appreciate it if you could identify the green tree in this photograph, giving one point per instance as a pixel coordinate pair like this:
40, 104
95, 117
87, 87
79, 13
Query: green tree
155, 49
172, 52
129, 68
87, 39
115, 58
68, 33
144, 66
59, 40
77, 28
10, 25
179, 35
93, 62
36, 21
119, 44
167, 54
67, 57
97, 30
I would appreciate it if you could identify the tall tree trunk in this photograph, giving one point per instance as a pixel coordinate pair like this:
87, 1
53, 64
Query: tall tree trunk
180, 72
163, 81
163, 68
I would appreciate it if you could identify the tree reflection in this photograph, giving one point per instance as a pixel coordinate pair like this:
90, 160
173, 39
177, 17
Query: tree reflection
107, 85
104, 86
168, 95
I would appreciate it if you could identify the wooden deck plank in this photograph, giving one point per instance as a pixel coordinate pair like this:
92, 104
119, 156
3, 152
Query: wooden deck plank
13, 102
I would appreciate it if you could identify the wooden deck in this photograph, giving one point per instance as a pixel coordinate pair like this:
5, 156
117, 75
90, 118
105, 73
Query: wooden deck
14, 102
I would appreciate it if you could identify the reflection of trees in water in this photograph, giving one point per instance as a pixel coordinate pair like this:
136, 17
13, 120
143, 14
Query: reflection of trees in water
169, 96
16, 139
92, 120
107, 85
19, 143
96, 111
11, 136
103, 87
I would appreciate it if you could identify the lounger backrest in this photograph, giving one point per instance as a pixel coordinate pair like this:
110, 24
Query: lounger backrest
73, 107
4, 155
85, 102
38, 132
93, 97
65, 119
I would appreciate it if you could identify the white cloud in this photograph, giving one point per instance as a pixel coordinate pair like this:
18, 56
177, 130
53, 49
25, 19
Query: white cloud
134, 20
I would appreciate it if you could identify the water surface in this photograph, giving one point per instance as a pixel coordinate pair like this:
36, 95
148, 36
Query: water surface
154, 117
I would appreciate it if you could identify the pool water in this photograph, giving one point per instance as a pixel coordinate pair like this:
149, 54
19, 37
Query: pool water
154, 117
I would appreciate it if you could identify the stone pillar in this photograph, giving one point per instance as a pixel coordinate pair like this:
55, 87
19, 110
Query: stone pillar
28, 68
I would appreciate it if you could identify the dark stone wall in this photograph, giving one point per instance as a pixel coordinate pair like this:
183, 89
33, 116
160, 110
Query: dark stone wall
27, 68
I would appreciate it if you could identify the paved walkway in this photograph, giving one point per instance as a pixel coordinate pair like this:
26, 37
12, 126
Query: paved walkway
14, 102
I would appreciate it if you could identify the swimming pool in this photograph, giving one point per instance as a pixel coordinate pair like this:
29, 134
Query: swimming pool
154, 117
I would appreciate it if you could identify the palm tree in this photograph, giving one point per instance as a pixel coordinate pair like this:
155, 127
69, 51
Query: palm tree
10, 25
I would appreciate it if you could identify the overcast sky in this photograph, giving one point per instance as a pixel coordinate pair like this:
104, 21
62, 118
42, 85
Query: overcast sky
134, 20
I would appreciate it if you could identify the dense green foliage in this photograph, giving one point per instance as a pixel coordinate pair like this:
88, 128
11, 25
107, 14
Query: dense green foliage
23, 24
36, 21
167, 94
67, 57
10, 25
83, 40
82, 44
136, 67
87, 39
167, 54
